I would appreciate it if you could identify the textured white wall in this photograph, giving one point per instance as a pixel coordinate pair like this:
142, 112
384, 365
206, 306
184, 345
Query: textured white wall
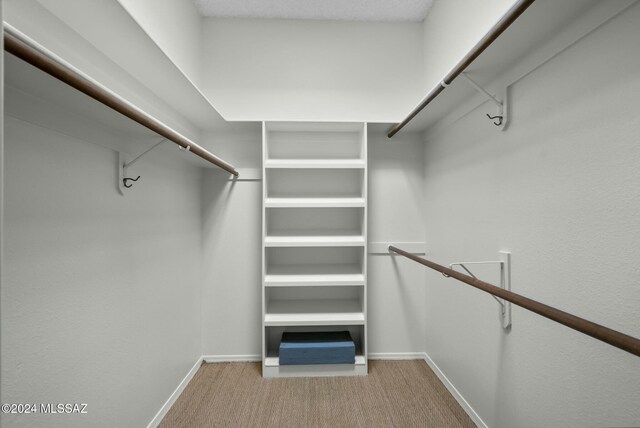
100, 292
91, 36
450, 29
396, 297
232, 240
311, 70
175, 26
560, 190
232, 233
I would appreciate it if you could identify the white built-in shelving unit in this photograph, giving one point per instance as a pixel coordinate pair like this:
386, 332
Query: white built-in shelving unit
314, 238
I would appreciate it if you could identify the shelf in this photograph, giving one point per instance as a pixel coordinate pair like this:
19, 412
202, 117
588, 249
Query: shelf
310, 275
274, 361
314, 163
313, 202
314, 312
313, 238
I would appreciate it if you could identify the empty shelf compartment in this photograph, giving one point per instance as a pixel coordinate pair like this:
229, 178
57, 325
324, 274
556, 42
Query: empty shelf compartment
314, 265
315, 183
299, 140
314, 163
320, 227
316, 221
314, 275
320, 202
314, 312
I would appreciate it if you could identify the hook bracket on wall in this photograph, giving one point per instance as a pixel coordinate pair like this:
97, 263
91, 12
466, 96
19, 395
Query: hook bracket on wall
505, 282
500, 118
125, 182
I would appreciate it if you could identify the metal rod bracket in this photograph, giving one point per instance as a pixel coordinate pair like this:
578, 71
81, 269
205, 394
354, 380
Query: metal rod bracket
501, 117
505, 282
124, 182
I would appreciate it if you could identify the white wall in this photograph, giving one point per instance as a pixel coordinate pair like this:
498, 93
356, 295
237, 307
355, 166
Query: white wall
100, 292
232, 234
232, 241
559, 189
396, 296
175, 26
91, 36
450, 30
311, 70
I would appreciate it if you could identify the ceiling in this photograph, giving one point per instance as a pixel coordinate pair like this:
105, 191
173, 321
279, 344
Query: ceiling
341, 10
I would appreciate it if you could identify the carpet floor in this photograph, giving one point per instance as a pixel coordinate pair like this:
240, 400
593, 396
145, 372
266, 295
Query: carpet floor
394, 394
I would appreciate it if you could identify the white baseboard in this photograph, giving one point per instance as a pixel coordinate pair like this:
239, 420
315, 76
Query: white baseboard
396, 355
453, 391
174, 396
231, 358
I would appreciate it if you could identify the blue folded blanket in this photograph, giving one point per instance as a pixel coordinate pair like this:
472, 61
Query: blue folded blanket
331, 347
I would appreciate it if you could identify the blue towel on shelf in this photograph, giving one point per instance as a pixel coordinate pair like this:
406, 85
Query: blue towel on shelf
330, 347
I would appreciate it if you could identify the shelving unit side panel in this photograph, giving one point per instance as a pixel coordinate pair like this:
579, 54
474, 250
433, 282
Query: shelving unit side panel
264, 233
365, 193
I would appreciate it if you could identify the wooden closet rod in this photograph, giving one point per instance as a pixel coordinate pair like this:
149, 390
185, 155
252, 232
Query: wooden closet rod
600, 332
19, 45
507, 19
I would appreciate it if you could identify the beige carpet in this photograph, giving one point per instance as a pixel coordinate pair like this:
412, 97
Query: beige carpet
394, 394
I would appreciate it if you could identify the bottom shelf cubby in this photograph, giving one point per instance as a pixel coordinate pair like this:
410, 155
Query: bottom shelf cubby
273, 368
